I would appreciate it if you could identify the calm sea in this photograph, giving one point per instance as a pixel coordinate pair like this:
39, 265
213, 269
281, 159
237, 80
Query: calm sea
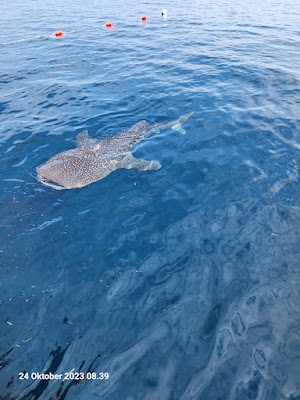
177, 284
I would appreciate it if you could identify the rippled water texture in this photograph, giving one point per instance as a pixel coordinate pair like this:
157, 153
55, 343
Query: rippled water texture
182, 283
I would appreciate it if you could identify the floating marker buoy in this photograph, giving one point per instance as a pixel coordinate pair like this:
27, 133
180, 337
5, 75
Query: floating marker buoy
58, 33
144, 18
108, 24
164, 13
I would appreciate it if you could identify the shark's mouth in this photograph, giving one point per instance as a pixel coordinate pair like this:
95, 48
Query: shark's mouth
50, 183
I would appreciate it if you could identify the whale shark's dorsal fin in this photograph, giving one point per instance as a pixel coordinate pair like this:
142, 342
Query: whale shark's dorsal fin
125, 140
83, 141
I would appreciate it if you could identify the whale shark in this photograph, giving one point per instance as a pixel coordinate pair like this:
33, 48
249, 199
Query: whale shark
93, 159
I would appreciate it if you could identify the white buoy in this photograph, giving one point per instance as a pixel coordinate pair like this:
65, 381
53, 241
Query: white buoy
164, 13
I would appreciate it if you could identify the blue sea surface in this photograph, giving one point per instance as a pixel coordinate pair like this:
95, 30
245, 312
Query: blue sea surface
181, 283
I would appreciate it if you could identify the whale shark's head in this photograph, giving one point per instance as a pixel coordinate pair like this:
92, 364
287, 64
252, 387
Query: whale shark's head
66, 170
49, 182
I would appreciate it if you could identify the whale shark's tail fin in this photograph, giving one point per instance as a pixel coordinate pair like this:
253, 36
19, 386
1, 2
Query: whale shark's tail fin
175, 125
178, 123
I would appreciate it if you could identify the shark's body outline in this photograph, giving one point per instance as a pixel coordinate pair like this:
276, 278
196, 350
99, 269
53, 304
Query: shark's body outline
93, 160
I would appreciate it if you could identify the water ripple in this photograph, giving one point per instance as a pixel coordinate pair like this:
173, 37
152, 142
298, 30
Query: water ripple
181, 283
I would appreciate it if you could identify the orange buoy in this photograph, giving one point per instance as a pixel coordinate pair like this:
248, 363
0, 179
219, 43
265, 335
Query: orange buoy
58, 33
144, 18
108, 24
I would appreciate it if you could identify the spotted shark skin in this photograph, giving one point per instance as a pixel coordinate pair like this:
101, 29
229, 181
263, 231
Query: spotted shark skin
93, 160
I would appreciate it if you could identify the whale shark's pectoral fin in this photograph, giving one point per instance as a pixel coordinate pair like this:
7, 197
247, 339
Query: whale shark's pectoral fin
143, 165
82, 138
83, 141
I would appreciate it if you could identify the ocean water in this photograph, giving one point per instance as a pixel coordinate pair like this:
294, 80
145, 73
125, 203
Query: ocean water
177, 284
